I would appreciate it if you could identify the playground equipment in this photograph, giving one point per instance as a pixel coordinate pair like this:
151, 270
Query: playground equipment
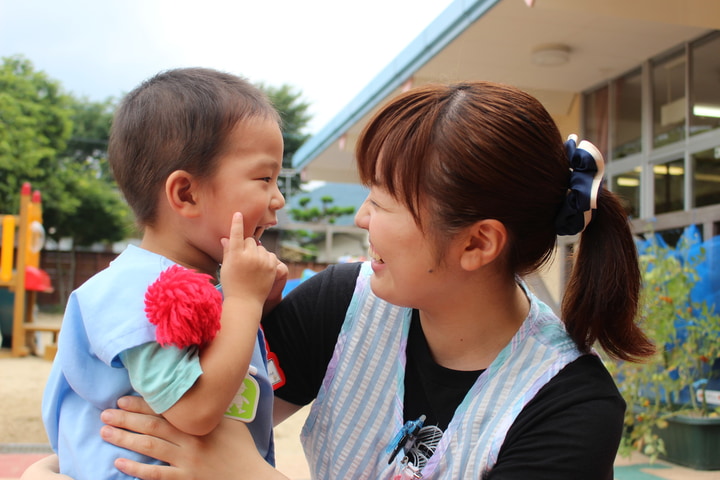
19, 269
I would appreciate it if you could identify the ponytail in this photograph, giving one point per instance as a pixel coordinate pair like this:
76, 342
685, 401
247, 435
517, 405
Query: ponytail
602, 295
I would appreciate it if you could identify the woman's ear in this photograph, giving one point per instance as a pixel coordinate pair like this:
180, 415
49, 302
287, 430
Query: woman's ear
485, 241
181, 190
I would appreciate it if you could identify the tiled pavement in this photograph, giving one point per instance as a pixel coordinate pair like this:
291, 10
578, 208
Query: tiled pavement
14, 459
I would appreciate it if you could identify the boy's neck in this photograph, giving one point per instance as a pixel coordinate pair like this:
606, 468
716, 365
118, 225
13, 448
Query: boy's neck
174, 247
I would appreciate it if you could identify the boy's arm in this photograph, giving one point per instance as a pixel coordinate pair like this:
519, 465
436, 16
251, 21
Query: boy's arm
247, 275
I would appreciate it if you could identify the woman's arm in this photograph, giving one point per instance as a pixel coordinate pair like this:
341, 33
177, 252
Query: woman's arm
217, 455
220, 454
283, 410
303, 329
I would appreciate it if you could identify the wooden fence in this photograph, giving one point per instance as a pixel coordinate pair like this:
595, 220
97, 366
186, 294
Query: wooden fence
59, 266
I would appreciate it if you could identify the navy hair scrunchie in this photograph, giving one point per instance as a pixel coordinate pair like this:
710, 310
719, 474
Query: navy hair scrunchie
587, 168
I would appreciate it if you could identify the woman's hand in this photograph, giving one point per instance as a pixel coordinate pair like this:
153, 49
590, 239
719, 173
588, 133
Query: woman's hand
275, 296
47, 468
216, 455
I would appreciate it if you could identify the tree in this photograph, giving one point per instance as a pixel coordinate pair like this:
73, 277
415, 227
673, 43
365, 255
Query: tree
306, 213
295, 118
35, 125
58, 143
327, 214
90, 209
91, 130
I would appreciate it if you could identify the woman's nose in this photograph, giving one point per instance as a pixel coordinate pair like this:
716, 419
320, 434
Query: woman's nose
362, 215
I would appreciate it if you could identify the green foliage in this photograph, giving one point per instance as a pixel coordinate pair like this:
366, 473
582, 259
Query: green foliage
686, 334
58, 143
94, 210
328, 213
295, 118
35, 126
91, 130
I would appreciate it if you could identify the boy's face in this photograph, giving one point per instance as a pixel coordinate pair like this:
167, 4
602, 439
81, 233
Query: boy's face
246, 182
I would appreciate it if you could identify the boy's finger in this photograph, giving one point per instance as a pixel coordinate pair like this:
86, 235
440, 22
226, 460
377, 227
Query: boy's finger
237, 230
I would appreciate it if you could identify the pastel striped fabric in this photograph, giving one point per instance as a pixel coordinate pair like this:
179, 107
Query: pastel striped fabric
359, 408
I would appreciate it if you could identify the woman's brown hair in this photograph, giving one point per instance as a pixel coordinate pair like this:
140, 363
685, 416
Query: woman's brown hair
479, 150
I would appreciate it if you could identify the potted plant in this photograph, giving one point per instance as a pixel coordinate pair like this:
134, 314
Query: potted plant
672, 407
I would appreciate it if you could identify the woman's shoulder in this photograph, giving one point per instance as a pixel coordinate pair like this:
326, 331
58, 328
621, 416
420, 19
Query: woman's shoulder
570, 430
584, 380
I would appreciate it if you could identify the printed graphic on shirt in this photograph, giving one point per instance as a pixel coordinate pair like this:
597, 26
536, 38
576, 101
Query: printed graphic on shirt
424, 446
244, 405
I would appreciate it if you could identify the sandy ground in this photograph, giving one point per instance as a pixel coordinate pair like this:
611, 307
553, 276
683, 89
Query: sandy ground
21, 386
22, 381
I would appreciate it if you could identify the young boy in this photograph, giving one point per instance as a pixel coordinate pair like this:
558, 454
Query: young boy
197, 154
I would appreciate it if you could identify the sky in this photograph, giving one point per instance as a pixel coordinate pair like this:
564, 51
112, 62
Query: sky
328, 50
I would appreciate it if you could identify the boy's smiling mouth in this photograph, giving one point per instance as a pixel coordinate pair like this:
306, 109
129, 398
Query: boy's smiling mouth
258, 233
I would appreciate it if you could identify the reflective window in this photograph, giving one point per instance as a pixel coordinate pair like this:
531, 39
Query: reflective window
596, 118
626, 124
706, 177
669, 178
669, 103
705, 86
627, 187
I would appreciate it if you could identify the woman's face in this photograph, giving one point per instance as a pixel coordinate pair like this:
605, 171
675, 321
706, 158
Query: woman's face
403, 258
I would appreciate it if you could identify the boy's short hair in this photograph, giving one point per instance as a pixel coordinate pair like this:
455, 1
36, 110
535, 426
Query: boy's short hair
177, 120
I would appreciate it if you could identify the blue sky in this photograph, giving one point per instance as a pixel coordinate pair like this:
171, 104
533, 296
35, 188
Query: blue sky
328, 49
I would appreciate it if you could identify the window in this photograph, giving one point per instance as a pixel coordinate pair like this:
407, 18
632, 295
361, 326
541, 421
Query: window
627, 186
658, 126
627, 121
669, 102
706, 177
705, 113
669, 178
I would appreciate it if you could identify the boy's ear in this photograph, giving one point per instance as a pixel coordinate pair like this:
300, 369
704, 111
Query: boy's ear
181, 190
484, 241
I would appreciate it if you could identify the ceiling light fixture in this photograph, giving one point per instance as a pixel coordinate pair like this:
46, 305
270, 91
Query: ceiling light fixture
700, 110
551, 55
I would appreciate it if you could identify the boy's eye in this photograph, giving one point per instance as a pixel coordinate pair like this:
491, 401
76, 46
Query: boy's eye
266, 179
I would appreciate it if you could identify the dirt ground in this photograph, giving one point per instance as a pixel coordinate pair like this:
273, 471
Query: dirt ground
22, 381
21, 385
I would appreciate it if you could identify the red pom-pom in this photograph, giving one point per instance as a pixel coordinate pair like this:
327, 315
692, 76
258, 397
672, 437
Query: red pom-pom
185, 306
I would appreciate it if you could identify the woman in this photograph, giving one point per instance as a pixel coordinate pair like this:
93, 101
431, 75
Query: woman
434, 360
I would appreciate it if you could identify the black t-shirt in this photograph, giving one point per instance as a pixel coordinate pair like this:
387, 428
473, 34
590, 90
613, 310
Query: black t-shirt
569, 431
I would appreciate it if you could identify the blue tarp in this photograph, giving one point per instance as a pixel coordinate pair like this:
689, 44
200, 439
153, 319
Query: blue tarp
294, 282
691, 246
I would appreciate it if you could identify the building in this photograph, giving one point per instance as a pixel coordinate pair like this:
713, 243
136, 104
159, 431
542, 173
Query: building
336, 240
640, 79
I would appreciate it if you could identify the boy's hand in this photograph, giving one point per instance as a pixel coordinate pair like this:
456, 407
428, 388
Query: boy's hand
248, 270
